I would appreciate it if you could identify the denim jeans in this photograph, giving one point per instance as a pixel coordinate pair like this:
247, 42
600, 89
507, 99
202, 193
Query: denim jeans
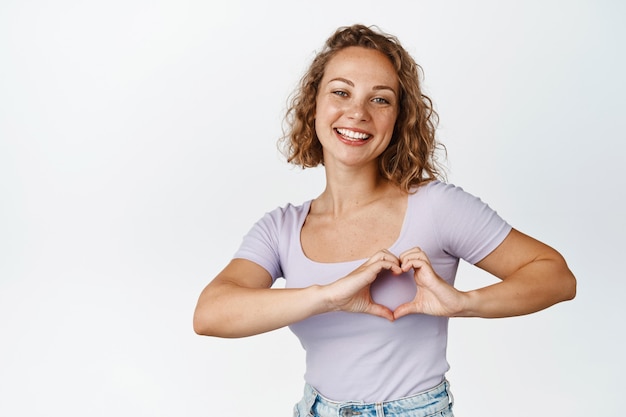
436, 402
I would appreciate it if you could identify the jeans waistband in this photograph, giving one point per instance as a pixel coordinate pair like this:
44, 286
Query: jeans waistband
436, 400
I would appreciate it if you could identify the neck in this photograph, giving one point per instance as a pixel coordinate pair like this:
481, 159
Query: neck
347, 189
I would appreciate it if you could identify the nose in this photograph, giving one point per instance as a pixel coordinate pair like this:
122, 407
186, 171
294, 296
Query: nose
358, 110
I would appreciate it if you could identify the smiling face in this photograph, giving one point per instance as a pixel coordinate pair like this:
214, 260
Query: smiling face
356, 107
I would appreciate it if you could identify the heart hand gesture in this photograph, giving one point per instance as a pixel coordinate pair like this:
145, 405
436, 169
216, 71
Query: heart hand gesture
352, 292
434, 296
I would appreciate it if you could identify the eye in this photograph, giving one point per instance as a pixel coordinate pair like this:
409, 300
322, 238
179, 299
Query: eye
340, 93
380, 100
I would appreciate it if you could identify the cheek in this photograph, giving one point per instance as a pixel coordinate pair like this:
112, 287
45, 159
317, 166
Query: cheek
393, 120
327, 108
320, 126
388, 122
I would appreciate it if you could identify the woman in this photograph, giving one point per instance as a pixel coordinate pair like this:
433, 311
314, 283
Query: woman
370, 263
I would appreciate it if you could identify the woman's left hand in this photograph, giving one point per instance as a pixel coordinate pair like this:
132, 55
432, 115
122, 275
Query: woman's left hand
434, 296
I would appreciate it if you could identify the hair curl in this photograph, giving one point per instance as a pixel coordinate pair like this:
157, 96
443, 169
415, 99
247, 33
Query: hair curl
411, 157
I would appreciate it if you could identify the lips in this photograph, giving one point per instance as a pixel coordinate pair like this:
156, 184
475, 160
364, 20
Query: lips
353, 136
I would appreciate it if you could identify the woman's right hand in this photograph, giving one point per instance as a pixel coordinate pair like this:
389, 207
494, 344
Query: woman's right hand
240, 302
352, 292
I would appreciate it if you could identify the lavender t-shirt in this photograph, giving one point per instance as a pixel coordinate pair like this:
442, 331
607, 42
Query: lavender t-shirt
359, 357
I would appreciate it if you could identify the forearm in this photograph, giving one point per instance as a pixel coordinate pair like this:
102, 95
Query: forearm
230, 310
532, 288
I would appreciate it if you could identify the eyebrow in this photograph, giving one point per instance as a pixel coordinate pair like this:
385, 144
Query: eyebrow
351, 84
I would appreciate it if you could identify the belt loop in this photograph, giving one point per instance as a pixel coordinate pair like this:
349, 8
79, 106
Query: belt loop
310, 398
380, 410
450, 396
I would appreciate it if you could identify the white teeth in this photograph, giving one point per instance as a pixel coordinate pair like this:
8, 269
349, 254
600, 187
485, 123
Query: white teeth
353, 135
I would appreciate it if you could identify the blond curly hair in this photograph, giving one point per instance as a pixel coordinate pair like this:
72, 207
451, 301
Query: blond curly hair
412, 155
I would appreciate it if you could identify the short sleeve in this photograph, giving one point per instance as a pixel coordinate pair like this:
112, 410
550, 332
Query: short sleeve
260, 244
466, 227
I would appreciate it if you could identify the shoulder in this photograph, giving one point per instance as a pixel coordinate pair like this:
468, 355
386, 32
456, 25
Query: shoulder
465, 226
266, 241
282, 220
446, 199
437, 191
286, 214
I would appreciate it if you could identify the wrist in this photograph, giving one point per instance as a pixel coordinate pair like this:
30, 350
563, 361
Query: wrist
322, 299
468, 304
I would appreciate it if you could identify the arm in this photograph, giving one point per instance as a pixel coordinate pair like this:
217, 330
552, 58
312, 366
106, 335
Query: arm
533, 277
239, 301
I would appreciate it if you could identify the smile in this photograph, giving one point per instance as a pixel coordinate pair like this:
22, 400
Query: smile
351, 135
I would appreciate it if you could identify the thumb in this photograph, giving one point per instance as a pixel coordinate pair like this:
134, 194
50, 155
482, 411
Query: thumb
380, 311
404, 310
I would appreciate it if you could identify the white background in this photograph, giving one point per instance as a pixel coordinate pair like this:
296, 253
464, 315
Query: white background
137, 146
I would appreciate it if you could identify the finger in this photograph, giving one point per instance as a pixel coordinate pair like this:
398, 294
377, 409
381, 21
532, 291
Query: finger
385, 255
378, 266
380, 311
404, 310
414, 253
411, 259
413, 263
386, 260
369, 271
393, 266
